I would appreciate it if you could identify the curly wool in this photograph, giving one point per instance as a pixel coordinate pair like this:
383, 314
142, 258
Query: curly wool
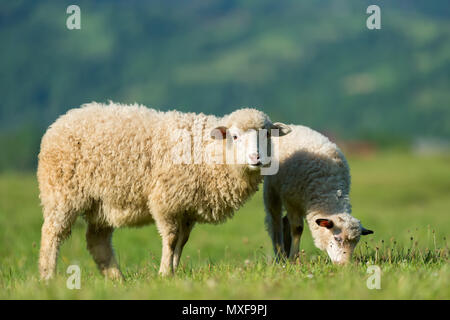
113, 162
313, 182
313, 172
129, 166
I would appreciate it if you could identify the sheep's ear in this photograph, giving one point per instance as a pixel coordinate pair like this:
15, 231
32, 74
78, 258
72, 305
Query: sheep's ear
219, 133
325, 223
365, 231
282, 128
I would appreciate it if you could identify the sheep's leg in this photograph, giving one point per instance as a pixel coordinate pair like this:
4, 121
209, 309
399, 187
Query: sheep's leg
287, 238
296, 234
100, 246
272, 204
169, 229
55, 229
185, 231
296, 230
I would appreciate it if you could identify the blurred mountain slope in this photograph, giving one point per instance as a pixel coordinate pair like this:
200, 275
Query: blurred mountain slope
313, 63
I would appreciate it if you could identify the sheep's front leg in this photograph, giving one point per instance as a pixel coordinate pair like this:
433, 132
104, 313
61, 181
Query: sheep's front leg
272, 205
296, 230
169, 230
296, 234
287, 237
277, 237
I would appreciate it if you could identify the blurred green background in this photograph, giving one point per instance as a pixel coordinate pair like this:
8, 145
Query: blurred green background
307, 62
382, 94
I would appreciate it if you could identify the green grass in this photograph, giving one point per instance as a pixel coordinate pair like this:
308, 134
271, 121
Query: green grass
403, 198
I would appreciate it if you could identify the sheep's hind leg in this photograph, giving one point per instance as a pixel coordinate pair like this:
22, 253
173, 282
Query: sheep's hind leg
185, 231
55, 229
100, 246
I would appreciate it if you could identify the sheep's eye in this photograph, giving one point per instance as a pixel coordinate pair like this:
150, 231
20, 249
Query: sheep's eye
235, 137
338, 239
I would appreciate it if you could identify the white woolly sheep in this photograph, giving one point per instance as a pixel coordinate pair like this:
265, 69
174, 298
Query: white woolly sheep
313, 183
115, 165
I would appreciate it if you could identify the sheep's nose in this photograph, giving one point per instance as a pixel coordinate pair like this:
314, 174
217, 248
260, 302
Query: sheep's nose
254, 157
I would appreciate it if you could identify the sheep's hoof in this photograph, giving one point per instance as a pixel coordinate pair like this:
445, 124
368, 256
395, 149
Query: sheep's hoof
113, 274
46, 277
46, 280
166, 273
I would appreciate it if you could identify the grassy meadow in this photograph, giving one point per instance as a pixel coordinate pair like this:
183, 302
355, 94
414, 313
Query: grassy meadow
404, 198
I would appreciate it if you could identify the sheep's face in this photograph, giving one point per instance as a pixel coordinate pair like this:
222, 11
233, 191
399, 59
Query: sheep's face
338, 234
249, 148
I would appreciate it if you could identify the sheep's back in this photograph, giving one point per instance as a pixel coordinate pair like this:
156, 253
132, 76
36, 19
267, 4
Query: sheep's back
310, 166
98, 153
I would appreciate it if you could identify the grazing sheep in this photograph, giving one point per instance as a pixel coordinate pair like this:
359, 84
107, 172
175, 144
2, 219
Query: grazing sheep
313, 183
120, 165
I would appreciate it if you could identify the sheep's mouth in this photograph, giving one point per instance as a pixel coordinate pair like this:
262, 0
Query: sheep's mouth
259, 165
256, 165
266, 165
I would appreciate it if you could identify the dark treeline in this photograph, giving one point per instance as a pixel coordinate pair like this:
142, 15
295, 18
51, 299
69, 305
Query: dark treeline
306, 62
